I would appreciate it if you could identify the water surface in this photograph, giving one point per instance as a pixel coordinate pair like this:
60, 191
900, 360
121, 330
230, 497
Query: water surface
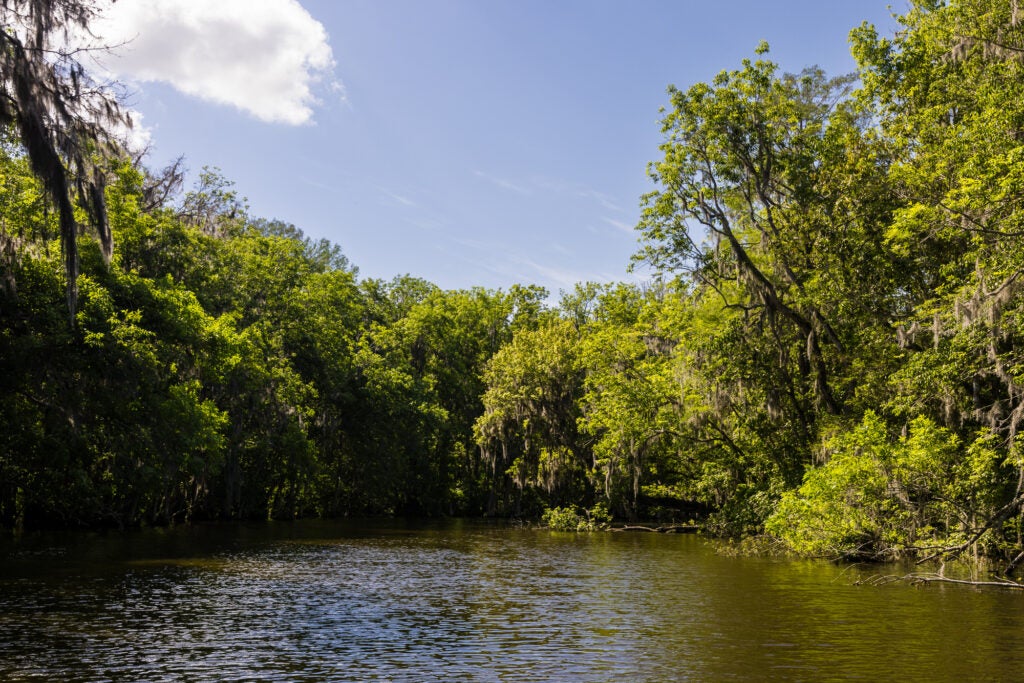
476, 602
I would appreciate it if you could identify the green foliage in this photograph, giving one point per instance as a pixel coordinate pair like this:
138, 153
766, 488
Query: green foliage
61, 118
631, 404
562, 519
570, 518
881, 497
210, 372
842, 508
528, 428
831, 351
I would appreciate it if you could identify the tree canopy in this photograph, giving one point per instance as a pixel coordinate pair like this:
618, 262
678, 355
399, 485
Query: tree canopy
829, 352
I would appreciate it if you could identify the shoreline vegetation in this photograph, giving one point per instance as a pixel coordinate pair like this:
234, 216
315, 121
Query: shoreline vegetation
830, 357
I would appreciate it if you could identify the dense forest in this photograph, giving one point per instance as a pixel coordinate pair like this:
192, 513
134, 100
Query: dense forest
828, 354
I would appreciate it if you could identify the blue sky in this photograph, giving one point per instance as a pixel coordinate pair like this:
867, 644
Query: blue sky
468, 142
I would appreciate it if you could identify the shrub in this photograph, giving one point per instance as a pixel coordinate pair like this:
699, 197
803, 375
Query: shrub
571, 519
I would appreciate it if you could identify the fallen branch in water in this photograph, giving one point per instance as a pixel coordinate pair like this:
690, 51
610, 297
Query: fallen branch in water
670, 529
919, 578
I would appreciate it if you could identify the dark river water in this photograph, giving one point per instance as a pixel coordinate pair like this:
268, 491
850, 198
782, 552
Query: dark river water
391, 601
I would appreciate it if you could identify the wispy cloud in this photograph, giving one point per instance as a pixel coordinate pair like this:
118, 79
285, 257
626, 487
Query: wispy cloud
580, 190
503, 183
341, 92
317, 184
430, 224
619, 225
565, 278
486, 246
604, 200
404, 201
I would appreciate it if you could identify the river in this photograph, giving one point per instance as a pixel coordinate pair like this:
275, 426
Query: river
466, 601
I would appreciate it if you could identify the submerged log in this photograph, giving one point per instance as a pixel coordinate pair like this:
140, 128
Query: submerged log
916, 578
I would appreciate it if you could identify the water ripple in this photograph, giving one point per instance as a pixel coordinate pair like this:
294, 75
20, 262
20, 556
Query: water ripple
317, 602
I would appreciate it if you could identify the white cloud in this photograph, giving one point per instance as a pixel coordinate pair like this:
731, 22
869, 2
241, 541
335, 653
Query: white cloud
262, 56
137, 137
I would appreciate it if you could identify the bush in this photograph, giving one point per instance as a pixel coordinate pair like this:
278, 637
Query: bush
571, 519
877, 496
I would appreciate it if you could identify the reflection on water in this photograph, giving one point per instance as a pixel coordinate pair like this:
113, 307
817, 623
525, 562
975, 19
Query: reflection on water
463, 601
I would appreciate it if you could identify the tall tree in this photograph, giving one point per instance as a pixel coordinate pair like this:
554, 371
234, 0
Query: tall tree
60, 113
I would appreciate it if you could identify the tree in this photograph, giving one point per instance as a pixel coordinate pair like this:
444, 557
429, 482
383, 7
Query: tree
631, 403
528, 431
61, 115
213, 206
771, 208
742, 161
947, 94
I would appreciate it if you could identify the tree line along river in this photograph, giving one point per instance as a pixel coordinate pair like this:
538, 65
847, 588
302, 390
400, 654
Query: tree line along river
456, 600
